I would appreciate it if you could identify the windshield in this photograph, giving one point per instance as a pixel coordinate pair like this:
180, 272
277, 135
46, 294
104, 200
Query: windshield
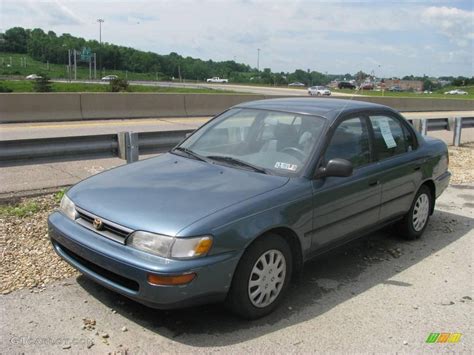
276, 142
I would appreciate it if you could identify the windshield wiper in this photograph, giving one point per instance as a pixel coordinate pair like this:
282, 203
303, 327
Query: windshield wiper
235, 161
191, 153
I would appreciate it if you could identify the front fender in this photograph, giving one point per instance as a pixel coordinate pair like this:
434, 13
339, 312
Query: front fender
235, 227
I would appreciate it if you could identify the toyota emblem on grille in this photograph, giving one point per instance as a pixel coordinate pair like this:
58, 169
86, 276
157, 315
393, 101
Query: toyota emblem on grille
98, 224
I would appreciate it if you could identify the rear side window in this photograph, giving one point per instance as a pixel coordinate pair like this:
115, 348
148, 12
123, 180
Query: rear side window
351, 142
390, 137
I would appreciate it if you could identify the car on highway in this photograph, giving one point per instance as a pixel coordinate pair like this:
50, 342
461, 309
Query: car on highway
33, 77
319, 91
346, 85
456, 92
233, 211
366, 86
395, 88
297, 83
109, 77
216, 79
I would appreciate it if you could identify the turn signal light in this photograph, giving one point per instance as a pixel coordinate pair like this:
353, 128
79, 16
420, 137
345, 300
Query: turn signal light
162, 280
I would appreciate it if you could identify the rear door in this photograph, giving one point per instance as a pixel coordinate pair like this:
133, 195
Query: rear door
395, 146
343, 205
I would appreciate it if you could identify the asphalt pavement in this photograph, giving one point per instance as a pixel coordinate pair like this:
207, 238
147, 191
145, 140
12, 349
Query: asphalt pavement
376, 295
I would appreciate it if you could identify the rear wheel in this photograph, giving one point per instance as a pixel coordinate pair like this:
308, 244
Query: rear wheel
415, 221
261, 278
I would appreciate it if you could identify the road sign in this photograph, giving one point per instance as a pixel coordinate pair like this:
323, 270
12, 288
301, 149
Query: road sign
86, 54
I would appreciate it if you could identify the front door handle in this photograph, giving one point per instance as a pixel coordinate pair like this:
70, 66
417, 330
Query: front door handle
416, 168
374, 183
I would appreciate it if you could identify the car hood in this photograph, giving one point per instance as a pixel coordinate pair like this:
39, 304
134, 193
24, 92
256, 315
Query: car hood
167, 193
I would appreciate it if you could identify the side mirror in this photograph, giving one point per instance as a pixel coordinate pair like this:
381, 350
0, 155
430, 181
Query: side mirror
335, 167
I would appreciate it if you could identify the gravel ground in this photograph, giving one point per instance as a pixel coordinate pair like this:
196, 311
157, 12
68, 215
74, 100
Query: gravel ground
27, 257
461, 163
28, 260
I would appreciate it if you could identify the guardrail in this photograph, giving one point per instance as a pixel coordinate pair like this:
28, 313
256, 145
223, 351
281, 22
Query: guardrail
454, 124
129, 145
124, 145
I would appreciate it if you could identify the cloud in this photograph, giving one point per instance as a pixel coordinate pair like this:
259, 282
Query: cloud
456, 24
328, 36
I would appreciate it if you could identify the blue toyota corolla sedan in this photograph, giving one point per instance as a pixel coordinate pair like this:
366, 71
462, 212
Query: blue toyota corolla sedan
234, 211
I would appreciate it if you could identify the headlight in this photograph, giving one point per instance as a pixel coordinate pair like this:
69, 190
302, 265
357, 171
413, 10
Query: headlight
169, 247
68, 208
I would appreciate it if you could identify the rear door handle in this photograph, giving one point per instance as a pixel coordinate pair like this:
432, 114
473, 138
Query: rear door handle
374, 183
416, 168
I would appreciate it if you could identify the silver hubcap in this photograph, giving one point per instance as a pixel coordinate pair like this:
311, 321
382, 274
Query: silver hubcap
420, 212
267, 278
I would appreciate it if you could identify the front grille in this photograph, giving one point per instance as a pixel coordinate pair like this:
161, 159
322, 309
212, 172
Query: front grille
109, 275
109, 229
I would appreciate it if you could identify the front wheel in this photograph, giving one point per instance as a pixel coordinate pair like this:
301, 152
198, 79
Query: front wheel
415, 221
261, 277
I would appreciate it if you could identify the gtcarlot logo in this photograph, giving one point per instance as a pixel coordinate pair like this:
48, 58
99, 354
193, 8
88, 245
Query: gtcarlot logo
444, 338
38, 341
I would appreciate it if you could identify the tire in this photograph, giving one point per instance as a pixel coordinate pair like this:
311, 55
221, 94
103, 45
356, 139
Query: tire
271, 247
415, 221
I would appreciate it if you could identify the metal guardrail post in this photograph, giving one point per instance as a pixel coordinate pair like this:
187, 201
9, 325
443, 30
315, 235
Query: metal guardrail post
424, 126
457, 131
128, 146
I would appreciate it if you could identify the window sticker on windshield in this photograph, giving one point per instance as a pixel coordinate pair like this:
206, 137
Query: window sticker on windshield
386, 132
286, 166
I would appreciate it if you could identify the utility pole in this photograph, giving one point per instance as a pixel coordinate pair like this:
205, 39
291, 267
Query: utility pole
75, 65
95, 67
69, 64
258, 59
100, 21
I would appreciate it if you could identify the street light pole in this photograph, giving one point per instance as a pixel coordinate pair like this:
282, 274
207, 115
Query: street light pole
258, 59
100, 21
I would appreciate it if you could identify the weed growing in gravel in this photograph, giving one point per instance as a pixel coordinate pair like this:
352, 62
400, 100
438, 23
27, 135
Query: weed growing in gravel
59, 195
20, 210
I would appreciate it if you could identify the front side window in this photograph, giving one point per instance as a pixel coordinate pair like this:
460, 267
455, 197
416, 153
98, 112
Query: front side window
350, 141
390, 137
276, 141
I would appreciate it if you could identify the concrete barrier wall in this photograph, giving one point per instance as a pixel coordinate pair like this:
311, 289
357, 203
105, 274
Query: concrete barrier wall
33, 107
39, 107
131, 105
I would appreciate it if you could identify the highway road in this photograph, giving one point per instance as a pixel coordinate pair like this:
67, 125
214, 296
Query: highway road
64, 129
261, 90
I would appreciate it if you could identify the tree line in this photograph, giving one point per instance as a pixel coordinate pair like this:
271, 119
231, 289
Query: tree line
49, 47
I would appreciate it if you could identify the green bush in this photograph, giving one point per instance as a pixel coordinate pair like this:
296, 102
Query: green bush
118, 85
3, 88
42, 84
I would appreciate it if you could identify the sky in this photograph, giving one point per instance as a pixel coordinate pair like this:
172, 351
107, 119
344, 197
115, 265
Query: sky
388, 38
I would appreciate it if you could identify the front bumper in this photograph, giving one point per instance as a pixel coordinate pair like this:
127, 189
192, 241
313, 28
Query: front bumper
124, 269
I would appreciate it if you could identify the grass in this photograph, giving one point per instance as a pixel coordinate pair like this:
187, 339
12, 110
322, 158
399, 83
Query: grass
59, 71
27, 86
20, 210
59, 195
439, 94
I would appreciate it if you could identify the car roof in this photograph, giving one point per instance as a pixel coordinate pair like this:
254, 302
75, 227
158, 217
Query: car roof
328, 108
